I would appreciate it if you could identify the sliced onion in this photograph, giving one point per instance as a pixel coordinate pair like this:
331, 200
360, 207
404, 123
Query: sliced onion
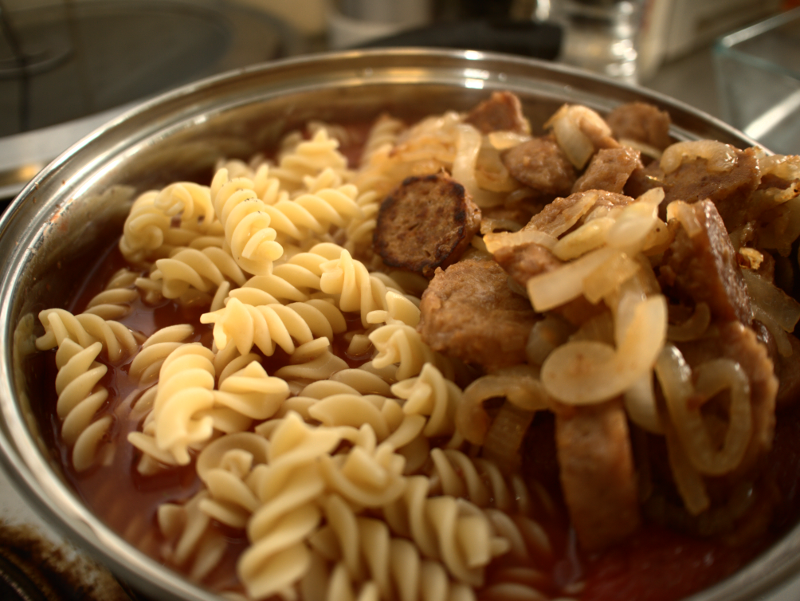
518, 386
554, 288
569, 125
607, 278
503, 140
468, 146
774, 301
684, 213
494, 242
719, 156
640, 405
692, 328
688, 480
586, 238
712, 378
586, 372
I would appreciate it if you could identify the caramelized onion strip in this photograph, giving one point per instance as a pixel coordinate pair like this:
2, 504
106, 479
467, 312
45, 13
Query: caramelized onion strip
584, 372
519, 387
684, 403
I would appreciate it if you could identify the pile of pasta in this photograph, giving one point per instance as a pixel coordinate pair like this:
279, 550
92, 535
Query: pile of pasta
350, 482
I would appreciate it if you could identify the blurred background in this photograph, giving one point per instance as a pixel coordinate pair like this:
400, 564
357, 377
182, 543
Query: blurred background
67, 66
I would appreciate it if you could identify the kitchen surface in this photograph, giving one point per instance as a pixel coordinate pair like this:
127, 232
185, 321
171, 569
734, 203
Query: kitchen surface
67, 67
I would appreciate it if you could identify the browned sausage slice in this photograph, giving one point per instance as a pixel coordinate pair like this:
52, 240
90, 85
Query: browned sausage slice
501, 112
469, 312
703, 267
427, 222
597, 473
541, 165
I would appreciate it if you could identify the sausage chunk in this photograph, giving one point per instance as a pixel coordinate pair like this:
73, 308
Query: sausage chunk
542, 165
427, 222
524, 261
729, 190
703, 268
469, 312
640, 122
501, 112
609, 170
597, 473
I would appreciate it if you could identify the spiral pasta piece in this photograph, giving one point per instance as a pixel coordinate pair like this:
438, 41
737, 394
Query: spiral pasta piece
273, 325
190, 201
432, 395
147, 363
114, 302
251, 392
179, 419
479, 480
80, 395
144, 229
247, 226
287, 487
444, 528
225, 467
314, 213
402, 345
202, 270
309, 158
85, 329
192, 543
369, 563
356, 287
312, 361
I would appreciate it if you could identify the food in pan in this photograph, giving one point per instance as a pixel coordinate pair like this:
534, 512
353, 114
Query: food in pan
476, 362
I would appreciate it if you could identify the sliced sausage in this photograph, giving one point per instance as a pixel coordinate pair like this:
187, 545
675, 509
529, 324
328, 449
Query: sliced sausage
501, 112
597, 473
469, 312
609, 170
541, 165
704, 268
641, 122
427, 222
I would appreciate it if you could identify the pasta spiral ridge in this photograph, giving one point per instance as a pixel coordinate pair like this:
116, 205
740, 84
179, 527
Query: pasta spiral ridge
225, 466
179, 419
147, 363
144, 229
309, 158
114, 302
356, 287
192, 543
444, 528
314, 213
480, 481
251, 392
287, 487
85, 329
273, 325
202, 270
190, 201
80, 395
248, 234
432, 395
401, 344
369, 563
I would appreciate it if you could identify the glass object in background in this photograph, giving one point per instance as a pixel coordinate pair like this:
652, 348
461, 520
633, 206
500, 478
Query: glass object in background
758, 77
599, 35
